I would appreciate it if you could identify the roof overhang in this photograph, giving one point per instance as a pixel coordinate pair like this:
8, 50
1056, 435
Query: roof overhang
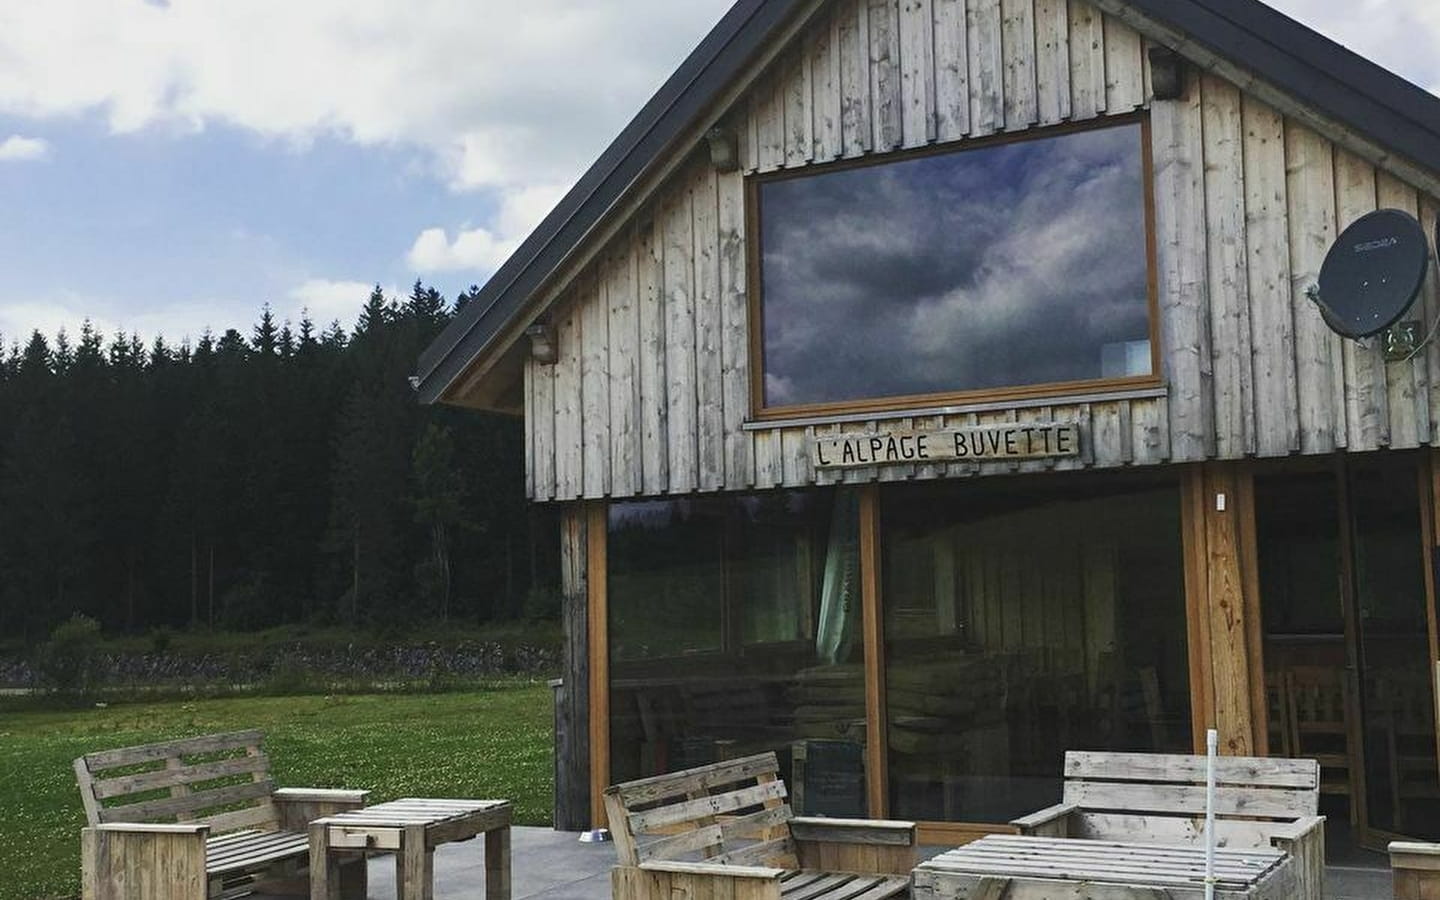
479, 359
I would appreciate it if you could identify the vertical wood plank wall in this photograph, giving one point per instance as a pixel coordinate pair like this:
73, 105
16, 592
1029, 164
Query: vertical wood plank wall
651, 391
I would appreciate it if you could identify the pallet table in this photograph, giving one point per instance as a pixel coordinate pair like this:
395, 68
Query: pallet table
412, 828
1019, 867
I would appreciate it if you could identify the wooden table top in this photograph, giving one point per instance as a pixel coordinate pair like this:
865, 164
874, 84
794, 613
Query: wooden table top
415, 811
1078, 859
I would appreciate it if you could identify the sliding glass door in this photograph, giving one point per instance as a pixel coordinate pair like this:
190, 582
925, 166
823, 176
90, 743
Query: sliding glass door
1343, 557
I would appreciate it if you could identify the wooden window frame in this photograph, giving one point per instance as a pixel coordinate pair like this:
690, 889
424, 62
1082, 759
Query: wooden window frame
759, 412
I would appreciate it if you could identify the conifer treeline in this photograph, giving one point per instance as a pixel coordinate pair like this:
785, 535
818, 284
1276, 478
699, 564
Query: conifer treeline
244, 482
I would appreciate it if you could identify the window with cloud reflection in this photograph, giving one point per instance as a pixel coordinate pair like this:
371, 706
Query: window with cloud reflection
1009, 265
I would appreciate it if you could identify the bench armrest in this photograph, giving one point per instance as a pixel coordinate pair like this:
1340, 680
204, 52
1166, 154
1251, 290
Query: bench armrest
1048, 822
298, 807
650, 880
1304, 841
699, 867
853, 831
1296, 830
320, 795
153, 828
108, 852
862, 846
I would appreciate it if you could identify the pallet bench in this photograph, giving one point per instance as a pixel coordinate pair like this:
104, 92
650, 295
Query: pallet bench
726, 830
1415, 868
200, 817
1159, 799
1033, 868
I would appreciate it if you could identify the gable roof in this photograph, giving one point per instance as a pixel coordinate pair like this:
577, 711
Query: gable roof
1340, 86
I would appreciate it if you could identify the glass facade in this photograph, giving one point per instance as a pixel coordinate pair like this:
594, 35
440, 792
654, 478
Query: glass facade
734, 629
1014, 264
1347, 650
1024, 618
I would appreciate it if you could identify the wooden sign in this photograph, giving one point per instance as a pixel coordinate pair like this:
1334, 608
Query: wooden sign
984, 443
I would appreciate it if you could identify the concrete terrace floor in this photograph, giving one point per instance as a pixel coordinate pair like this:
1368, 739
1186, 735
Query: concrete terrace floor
553, 865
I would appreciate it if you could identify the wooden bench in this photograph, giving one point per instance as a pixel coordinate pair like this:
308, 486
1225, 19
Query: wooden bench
727, 830
1415, 868
1160, 799
1021, 867
200, 817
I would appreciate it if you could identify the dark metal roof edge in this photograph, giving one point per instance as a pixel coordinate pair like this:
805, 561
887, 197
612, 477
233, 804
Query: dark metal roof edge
716, 60
1322, 74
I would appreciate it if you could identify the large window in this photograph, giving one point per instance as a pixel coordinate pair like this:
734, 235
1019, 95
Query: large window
1024, 618
734, 628
1018, 266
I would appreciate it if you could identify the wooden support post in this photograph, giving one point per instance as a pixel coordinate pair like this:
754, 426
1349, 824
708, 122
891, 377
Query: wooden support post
873, 626
598, 617
1223, 608
572, 714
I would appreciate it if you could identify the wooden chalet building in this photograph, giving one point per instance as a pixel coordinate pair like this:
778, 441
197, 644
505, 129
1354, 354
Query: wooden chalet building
931, 386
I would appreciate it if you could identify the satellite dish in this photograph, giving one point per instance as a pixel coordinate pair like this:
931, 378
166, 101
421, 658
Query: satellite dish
1373, 273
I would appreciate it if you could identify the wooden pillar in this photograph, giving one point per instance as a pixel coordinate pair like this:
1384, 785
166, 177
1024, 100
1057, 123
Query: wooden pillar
1227, 667
877, 761
572, 712
597, 595
1429, 517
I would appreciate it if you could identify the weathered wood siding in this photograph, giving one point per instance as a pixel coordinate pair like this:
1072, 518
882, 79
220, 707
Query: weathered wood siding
651, 391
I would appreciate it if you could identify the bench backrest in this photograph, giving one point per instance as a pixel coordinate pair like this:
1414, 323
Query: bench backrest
732, 812
222, 780
1164, 795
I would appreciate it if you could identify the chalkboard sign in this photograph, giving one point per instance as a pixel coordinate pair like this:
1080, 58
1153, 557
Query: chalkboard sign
829, 778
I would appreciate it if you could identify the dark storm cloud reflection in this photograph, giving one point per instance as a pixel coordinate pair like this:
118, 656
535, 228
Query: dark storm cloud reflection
1003, 266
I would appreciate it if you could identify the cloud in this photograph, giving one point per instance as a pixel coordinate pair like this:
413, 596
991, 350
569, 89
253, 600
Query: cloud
503, 94
16, 148
1400, 35
108, 315
328, 301
991, 267
474, 249
483, 249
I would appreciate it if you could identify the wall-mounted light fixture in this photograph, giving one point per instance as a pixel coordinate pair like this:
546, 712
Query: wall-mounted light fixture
1167, 73
724, 149
543, 348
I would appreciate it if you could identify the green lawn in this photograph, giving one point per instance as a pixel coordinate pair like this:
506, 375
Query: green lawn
495, 743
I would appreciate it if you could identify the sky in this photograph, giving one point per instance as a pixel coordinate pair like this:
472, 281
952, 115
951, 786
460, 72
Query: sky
170, 165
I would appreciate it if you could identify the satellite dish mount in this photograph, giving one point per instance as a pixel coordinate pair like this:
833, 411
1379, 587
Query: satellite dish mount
1370, 279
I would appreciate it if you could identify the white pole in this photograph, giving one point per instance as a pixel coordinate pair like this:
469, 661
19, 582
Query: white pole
1212, 747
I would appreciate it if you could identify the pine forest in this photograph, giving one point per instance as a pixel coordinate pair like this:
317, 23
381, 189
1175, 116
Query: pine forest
241, 481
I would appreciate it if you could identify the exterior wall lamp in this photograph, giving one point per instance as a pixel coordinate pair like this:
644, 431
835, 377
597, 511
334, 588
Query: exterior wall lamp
724, 149
543, 347
1167, 73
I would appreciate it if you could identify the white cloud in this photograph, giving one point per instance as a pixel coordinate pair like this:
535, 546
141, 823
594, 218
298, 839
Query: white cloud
17, 148
68, 311
504, 94
327, 301
483, 249
473, 249
1400, 35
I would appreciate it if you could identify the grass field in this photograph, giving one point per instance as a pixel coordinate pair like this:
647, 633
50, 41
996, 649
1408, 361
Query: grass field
495, 743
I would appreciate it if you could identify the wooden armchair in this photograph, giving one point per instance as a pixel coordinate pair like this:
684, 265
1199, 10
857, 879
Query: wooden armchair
727, 830
187, 819
1160, 799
